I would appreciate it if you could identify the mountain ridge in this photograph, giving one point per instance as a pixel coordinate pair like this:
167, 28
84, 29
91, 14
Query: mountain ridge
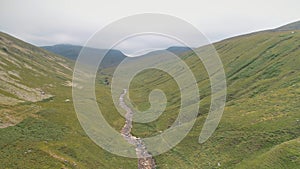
112, 58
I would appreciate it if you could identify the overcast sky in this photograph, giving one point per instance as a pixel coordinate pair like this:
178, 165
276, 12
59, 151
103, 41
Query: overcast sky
73, 22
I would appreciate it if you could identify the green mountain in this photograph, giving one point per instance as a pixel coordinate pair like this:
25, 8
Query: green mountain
28, 74
260, 127
38, 124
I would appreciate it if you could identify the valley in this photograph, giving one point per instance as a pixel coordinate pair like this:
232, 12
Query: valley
260, 126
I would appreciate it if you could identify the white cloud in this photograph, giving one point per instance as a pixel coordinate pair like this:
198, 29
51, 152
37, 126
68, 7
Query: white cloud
63, 21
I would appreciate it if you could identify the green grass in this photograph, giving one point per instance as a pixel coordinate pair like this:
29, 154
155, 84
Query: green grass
262, 107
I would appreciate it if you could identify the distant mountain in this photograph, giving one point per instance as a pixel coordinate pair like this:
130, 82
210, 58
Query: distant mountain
178, 50
289, 27
113, 57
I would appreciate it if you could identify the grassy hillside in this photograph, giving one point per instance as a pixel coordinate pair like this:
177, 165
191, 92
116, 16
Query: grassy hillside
260, 126
262, 109
38, 125
28, 74
284, 155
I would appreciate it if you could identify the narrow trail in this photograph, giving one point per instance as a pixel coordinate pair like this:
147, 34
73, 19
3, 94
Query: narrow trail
145, 159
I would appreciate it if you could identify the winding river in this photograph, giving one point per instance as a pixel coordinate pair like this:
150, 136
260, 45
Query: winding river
145, 159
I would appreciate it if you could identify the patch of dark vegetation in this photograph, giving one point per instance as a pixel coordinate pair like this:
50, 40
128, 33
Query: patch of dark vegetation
4, 49
25, 103
259, 90
47, 99
274, 45
241, 68
291, 82
61, 78
231, 96
34, 157
45, 112
203, 110
271, 56
67, 151
272, 71
31, 129
106, 81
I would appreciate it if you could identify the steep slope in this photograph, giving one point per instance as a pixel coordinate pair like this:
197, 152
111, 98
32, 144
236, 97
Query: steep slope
262, 109
26, 74
38, 125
